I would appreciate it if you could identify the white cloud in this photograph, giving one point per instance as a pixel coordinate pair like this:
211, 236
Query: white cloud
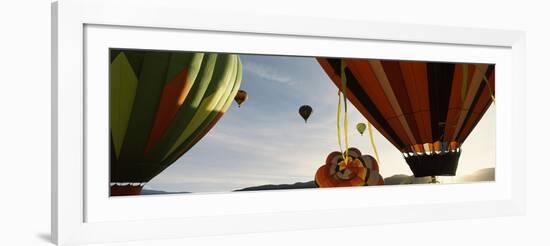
267, 72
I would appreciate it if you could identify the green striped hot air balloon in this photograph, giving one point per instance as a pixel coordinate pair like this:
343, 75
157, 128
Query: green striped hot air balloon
161, 104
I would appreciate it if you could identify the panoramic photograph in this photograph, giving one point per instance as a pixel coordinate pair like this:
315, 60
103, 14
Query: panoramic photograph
196, 122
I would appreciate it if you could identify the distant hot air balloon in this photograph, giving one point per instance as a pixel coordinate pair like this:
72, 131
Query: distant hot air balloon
241, 97
361, 170
305, 111
425, 109
161, 104
361, 127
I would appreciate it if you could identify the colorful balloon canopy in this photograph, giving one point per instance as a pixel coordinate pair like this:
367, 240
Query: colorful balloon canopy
361, 170
305, 111
161, 104
241, 97
375, 178
361, 127
425, 109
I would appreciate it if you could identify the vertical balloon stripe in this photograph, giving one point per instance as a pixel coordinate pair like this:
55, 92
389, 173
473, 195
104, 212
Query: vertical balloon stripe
480, 104
123, 84
168, 107
360, 99
416, 83
455, 102
464, 85
237, 85
440, 79
178, 63
371, 109
366, 78
470, 95
193, 68
371, 86
212, 119
218, 116
397, 83
188, 109
218, 86
378, 69
151, 82
174, 93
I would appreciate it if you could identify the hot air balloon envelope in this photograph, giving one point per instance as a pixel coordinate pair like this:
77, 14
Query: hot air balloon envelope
241, 97
361, 127
161, 104
305, 111
416, 104
361, 170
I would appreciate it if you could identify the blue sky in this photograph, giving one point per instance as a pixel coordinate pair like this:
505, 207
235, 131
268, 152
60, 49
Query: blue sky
266, 142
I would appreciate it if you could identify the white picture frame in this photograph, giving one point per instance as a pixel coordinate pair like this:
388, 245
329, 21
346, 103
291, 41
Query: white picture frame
82, 211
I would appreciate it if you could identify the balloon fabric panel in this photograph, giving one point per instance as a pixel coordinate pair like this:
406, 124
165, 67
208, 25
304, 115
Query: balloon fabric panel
397, 83
179, 96
394, 105
370, 85
472, 91
416, 83
440, 78
219, 87
461, 79
212, 118
188, 109
174, 93
121, 96
360, 99
481, 104
151, 82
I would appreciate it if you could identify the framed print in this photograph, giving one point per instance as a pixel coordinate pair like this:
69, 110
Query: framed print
165, 122
166, 127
